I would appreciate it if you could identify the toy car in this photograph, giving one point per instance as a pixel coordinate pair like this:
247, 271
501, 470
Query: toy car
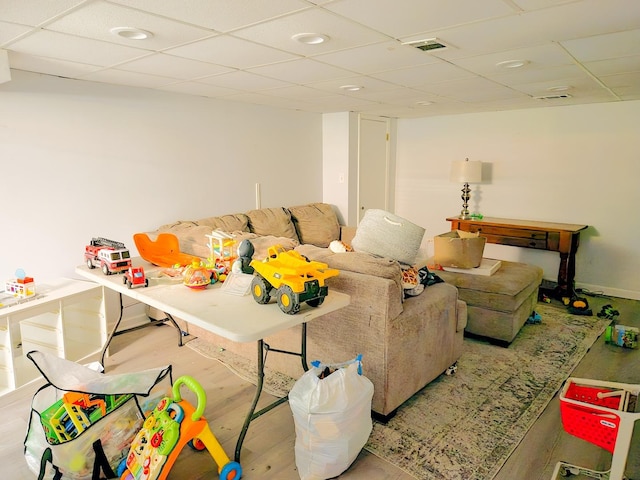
292, 278
134, 277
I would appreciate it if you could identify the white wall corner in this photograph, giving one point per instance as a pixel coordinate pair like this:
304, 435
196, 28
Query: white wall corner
5, 72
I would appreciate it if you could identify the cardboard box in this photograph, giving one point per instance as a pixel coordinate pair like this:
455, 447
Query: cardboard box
459, 250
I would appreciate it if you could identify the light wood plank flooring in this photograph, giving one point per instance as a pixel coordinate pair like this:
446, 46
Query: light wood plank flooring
268, 451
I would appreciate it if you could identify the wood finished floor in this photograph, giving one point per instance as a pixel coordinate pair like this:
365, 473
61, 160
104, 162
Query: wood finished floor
268, 451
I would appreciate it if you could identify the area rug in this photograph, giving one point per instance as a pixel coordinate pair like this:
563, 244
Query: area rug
465, 426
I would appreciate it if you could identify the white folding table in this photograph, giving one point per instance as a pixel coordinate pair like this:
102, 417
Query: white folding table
235, 317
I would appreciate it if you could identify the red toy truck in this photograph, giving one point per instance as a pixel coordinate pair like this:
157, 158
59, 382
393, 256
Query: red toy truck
108, 255
134, 277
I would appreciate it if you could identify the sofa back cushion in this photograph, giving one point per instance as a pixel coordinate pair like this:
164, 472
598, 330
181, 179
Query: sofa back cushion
316, 224
237, 222
191, 237
272, 221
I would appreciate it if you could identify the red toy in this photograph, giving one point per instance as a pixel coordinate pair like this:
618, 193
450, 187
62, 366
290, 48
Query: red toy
109, 255
134, 277
173, 424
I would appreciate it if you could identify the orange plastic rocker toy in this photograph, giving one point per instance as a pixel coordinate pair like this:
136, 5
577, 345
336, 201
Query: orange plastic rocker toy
163, 252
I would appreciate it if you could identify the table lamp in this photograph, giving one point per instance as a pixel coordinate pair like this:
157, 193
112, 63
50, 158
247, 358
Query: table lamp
464, 171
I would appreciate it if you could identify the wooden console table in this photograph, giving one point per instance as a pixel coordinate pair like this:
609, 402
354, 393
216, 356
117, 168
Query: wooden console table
563, 238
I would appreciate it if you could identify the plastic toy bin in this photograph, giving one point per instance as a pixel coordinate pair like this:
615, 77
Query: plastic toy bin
602, 413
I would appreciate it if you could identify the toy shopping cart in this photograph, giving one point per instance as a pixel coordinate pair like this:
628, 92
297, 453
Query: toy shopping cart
173, 424
602, 413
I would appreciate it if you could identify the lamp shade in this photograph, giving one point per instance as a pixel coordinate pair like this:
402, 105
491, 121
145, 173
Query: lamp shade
464, 171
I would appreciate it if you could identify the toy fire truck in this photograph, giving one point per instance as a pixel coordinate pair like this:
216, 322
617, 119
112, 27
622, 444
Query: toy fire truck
108, 255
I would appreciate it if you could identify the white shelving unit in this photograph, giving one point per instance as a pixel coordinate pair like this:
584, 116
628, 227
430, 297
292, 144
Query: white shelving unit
67, 318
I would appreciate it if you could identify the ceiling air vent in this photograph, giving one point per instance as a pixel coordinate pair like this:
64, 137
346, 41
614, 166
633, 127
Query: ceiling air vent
426, 44
558, 96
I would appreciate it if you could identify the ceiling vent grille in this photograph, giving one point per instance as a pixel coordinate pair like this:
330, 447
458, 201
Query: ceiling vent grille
558, 96
426, 44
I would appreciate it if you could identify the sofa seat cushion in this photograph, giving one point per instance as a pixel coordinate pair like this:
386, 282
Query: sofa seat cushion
357, 262
272, 221
316, 224
503, 291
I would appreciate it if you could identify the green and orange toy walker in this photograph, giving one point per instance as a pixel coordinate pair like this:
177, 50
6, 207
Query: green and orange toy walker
173, 424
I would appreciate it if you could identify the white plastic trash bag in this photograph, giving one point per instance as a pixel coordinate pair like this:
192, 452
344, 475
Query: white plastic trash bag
332, 418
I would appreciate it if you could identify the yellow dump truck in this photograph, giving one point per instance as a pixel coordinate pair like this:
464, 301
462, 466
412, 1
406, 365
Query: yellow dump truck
291, 278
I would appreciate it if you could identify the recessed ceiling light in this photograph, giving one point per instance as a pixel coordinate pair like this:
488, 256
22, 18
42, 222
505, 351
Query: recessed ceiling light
310, 38
424, 103
559, 88
512, 63
351, 88
131, 33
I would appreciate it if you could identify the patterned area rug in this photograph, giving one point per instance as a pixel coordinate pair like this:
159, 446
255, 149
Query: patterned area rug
465, 426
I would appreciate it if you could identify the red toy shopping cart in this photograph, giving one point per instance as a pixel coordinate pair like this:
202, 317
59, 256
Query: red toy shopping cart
602, 413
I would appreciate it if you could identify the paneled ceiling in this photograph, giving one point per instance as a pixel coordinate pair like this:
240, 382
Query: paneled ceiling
569, 51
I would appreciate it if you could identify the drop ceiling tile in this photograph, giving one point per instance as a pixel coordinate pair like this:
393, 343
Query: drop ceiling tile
35, 12
615, 65
171, 66
200, 89
96, 19
297, 91
231, 52
572, 20
376, 58
75, 49
581, 84
551, 74
49, 66
273, 101
602, 47
475, 89
9, 31
241, 80
368, 84
416, 16
302, 71
623, 80
220, 15
342, 33
133, 79
430, 73
537, 57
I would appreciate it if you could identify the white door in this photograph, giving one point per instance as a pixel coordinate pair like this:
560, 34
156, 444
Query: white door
373, 164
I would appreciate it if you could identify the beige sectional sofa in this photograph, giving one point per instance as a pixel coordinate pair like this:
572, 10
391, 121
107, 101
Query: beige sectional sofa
405, 343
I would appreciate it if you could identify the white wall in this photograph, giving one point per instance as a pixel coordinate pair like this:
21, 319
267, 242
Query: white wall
81, 159
575, 164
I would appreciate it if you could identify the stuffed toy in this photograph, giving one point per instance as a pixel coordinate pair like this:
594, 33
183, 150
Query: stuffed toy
245, 254
337, 246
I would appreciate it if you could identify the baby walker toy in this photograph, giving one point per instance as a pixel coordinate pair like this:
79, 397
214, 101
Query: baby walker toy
173, 424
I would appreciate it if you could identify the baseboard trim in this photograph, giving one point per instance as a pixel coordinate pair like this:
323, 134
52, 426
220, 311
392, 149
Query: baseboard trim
610, 292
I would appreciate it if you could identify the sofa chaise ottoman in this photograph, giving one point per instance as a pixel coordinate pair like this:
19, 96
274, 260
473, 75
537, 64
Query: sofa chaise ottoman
498, 305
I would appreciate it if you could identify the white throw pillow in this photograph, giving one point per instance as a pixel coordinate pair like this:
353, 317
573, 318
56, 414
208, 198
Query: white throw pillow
387, 235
